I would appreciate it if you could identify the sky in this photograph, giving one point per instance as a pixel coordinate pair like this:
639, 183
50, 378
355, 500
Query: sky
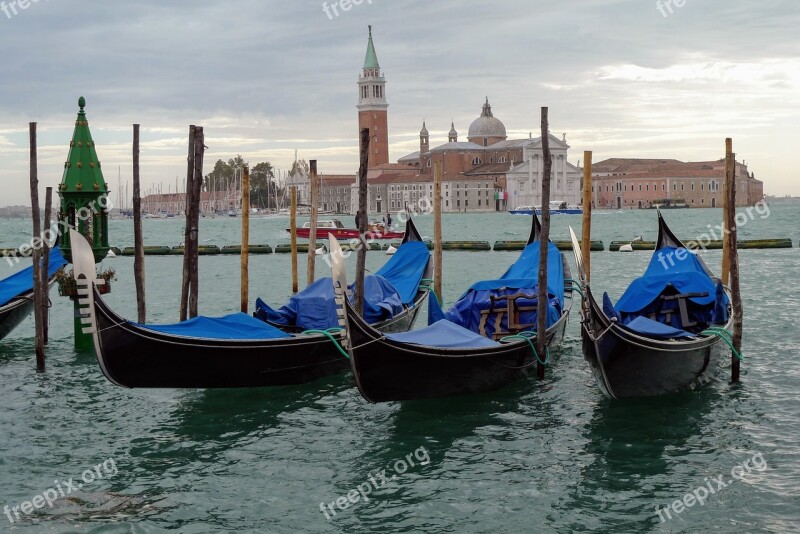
265, 78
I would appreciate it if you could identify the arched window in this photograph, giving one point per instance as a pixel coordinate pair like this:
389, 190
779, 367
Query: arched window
476, 161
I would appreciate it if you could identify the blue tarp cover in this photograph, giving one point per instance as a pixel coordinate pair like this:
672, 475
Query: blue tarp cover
527, 268
233, 326
444, 334
651, 328
385, 292
405, 269
671, 271
315, 307
521, 277
669, 265
22, 282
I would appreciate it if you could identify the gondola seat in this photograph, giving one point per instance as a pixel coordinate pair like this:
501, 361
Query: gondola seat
655, 329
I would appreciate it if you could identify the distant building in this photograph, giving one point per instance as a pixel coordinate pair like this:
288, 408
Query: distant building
628, 183
488, 163
489, 172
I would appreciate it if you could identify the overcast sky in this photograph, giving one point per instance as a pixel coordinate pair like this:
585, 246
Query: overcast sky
265, 78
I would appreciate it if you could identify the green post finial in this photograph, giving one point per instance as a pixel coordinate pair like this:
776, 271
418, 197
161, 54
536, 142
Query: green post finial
82, 188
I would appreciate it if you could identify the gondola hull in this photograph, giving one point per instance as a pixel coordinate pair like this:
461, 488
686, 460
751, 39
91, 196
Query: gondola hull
628, 365
16, 311
391, 371
12, 314
135, 357
388, 370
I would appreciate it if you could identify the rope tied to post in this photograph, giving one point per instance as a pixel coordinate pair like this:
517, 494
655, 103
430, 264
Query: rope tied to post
527, 337
329, 334
725, 336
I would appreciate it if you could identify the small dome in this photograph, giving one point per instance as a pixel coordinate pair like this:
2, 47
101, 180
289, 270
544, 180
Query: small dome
487, 125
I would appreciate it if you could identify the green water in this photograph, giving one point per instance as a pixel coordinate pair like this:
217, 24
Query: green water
535, 457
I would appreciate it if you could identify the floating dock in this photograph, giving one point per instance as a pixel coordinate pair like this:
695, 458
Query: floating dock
285, 248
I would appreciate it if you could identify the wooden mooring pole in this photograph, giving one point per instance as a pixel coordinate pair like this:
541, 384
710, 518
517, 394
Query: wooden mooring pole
733, 257
586, 224
361, 256
312, 236
38, 294
138, 236
544, 239
245, 265
197, 185
48, 209
185, 285
437, 231
726, 209
293, 237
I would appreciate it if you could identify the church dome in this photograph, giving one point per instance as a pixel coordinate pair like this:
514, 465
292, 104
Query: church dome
487, 125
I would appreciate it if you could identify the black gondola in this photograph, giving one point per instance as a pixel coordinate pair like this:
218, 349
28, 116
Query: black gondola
16, 293
234, 351
446, 359
665, 334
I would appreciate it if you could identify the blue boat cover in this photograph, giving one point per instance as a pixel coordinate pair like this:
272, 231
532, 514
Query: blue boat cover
22, 282
405, 269
385, 292
671, 271
651, 328
444, 334
315, 307
669, 266
521, 277
527, 268
233, 326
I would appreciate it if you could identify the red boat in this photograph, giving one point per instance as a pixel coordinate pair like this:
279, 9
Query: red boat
375, 230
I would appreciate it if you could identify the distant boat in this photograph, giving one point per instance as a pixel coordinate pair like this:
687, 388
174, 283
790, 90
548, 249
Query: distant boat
556, 208
629, 246
335, 227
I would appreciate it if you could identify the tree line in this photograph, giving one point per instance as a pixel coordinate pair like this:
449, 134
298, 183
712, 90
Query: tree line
265, 190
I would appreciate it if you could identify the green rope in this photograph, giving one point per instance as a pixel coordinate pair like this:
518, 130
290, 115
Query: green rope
329, 334
522, 335
725, 336
576, 286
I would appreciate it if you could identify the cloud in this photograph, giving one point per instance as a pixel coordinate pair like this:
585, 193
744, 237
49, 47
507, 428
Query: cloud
266, 78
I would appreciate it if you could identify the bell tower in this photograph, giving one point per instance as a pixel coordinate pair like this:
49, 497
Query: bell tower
372, 106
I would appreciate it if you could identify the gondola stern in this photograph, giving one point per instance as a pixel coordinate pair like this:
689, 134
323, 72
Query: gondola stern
411, 234
536, 229
665, 236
